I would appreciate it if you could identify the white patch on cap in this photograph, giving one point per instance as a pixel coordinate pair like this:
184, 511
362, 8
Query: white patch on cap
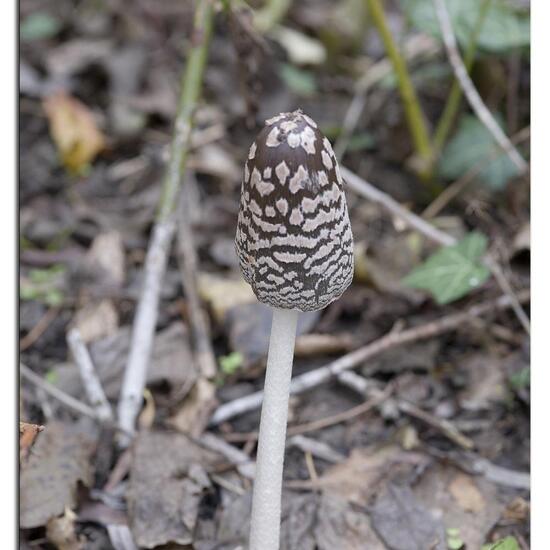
282, 171
272, 138
265, 187
298, 180
255, 208
327, 161
296, 218
309, 120
255, 178
307, 140
289, 257
282, 206
267, 172
246, 172
275, 119
293, 140
322, 178
310, 205
252, 151
269, 211
288, 125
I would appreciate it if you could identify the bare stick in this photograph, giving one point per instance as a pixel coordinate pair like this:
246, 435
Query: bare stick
90, 380
469, 89
316, 377
163, 231
64, 398
245, 466
369, 191
188, 262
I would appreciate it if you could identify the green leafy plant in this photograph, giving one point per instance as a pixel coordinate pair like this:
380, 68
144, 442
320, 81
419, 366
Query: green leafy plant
508, 543
43, 285
454, 542
231, 363
504, 28
452, 271
299, 81
39, 26
472, 143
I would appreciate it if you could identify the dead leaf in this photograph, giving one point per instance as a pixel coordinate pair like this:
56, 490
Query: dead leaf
27, 437
61, 532
403, 523
107, 254
48, 483
466, 493
74, 131
518, 510
340, 525
147, 415
433, 492
97, 320
167, 480
223, 293
301, 49
371, 466
194, 413
486, 381
522, 240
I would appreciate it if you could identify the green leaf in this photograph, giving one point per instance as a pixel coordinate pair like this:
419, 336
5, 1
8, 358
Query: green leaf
454, 543
231, 363
472, 143
300, 81
38, 26
521, 379
504, 27
452, 271
362, 141
509, 543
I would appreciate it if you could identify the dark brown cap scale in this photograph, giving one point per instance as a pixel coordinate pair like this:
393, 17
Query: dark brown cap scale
294, 239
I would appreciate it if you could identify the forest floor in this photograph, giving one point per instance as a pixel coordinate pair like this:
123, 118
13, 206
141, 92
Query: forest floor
426, 444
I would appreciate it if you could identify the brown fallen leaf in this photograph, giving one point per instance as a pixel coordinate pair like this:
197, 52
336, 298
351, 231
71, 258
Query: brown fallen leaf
466, 493
74, 131
61, 532
167, 480
48, 482
27, 436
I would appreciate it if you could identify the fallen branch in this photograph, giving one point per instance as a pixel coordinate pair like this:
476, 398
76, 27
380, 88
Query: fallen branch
469, 89
370, 192
311, 379
188, 263
88, 375
163, 231
365, 388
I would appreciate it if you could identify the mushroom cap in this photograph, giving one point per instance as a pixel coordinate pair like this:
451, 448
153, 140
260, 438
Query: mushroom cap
294, 240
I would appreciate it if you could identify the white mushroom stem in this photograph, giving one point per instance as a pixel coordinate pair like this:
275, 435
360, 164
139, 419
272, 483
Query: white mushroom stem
266, 499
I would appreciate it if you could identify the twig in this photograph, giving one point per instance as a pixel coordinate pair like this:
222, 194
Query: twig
453, 100
413, 112
322, 422
38, 330
90, 380
416, 46
155, 262
362, 386
455, 188
245, 466
311, 379
188, 262
56, 393
316, 448
370, 192
469, 89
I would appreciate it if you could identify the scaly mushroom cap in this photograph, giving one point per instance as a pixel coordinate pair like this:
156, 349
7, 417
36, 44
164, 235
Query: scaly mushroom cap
294, 239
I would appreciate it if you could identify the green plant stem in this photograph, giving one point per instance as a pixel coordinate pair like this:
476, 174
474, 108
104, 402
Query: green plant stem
191, 85
413, 112
271, 14
453, 101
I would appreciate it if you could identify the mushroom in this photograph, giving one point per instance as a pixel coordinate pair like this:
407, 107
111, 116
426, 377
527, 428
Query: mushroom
295, 249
